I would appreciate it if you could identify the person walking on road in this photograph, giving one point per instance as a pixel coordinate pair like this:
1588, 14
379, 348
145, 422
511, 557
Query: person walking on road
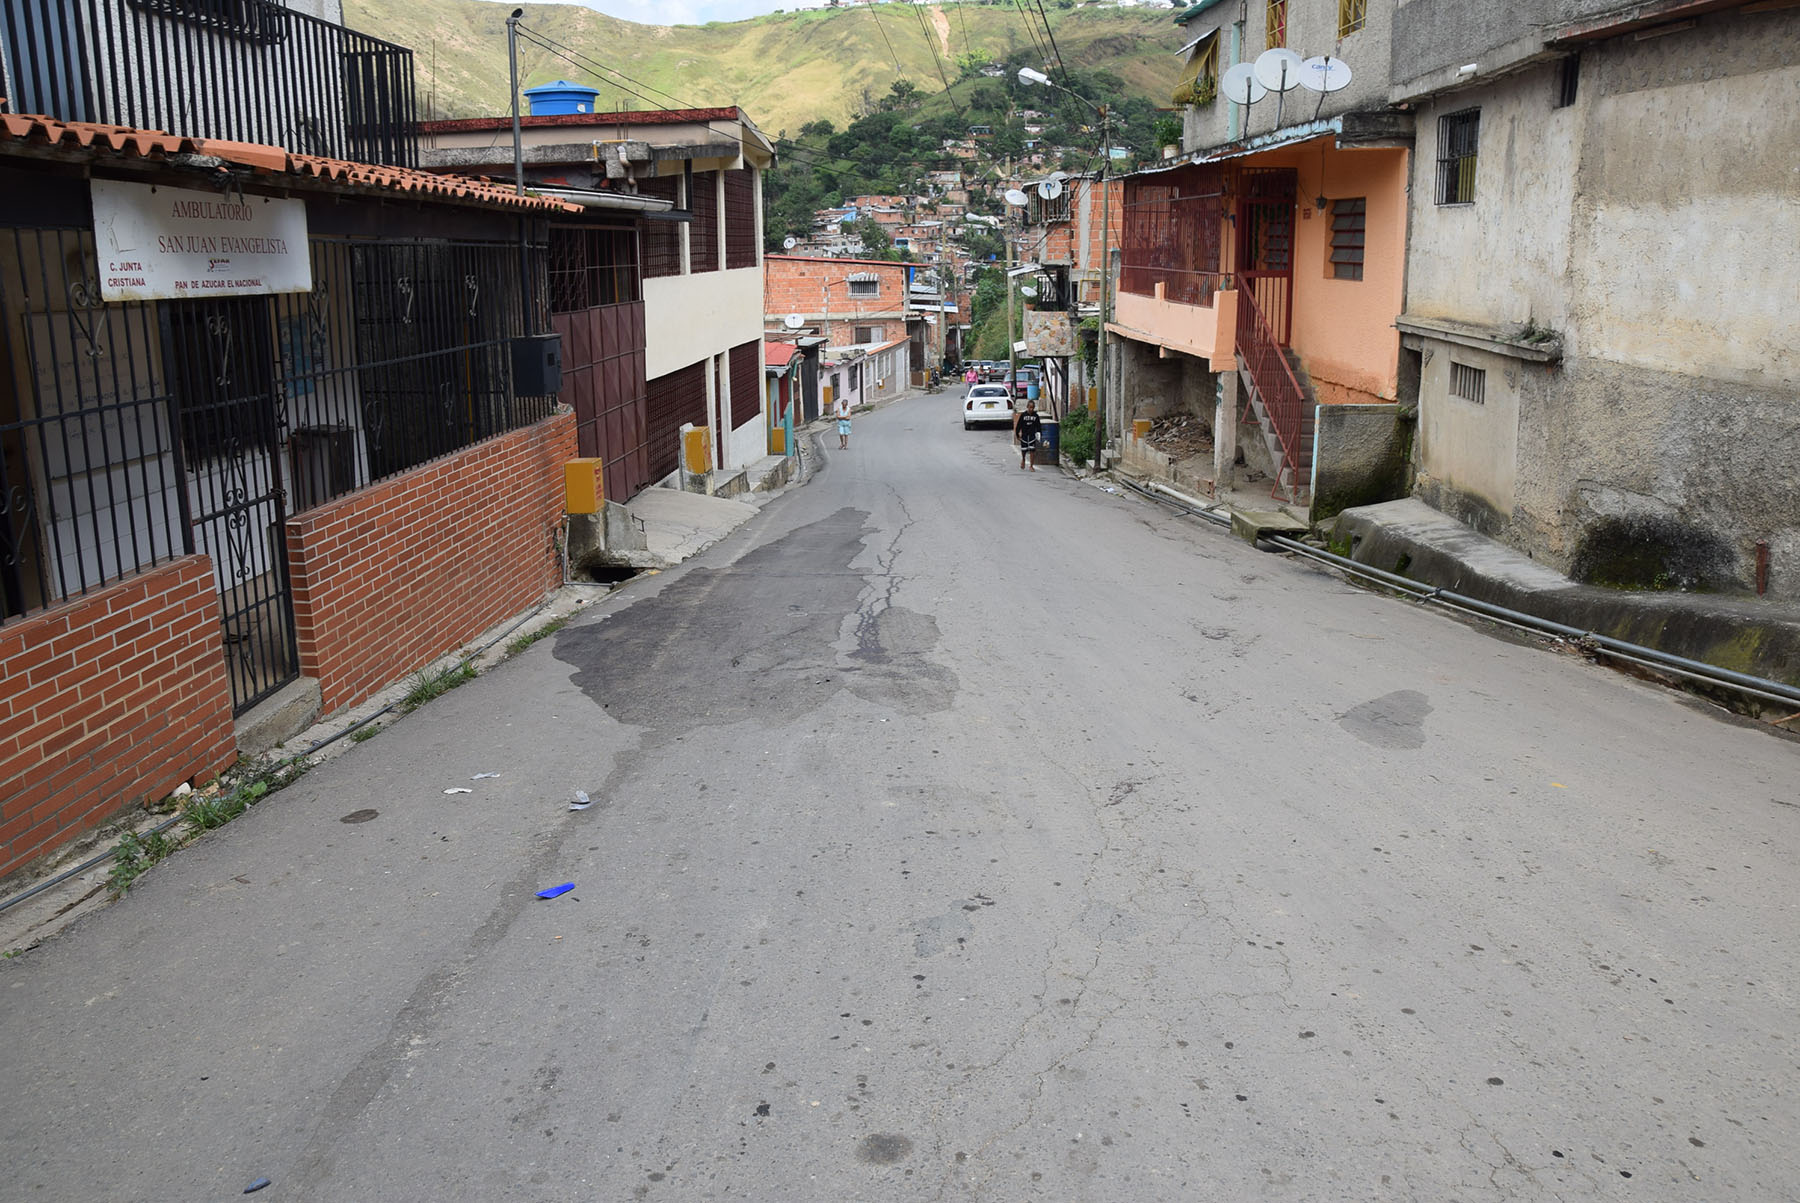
1026, 425
840, 409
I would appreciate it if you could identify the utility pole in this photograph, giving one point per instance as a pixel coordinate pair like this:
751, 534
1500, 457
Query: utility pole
1105, 271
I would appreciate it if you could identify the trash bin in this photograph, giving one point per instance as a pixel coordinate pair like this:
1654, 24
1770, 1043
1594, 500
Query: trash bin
1049, 443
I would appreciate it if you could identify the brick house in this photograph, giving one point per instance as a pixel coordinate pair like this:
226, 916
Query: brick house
244, 467
861, 303
699, 358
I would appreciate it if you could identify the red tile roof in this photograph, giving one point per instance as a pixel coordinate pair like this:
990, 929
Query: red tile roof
777, 354
33, 130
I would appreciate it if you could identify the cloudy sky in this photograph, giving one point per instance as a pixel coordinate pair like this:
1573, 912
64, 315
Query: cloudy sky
684, 12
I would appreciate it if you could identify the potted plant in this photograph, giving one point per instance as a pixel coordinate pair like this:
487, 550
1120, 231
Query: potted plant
1167, 133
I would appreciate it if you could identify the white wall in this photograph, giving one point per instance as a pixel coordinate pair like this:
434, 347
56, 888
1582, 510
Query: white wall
687, 318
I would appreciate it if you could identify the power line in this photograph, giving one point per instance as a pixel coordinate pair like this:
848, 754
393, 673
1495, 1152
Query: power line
1051, 34
931, 44
898, 69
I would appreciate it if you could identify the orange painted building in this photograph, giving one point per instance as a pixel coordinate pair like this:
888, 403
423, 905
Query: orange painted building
1281, 267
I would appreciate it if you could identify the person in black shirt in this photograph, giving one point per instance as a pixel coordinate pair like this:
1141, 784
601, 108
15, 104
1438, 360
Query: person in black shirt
1026, 425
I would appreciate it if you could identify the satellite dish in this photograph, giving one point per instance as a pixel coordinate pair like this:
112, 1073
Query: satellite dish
1325, 74
1059, 176
1240, 86
788, 242
1026, 290
1050, 189
1278, 70
1017, 199
794, 321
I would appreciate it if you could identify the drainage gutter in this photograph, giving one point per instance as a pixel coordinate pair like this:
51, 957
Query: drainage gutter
1648, 657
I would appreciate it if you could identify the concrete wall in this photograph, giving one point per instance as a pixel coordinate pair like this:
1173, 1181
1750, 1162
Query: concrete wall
1207, 332
1644, 226
1359, 456
1312, 30
688, 318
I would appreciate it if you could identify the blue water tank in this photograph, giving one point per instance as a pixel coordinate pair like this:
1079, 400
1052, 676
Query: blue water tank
549, 100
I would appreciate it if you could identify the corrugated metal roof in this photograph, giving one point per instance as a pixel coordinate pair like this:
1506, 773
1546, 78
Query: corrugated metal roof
1193, 10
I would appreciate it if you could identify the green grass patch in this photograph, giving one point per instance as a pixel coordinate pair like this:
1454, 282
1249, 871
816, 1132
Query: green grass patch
428, 685
550, 628
363, 735
135, 853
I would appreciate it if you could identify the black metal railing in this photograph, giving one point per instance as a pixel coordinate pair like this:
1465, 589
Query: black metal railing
242, 70
150, 430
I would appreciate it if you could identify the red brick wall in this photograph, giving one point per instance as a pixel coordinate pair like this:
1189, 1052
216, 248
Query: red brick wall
391, 577
110, 699
795, 285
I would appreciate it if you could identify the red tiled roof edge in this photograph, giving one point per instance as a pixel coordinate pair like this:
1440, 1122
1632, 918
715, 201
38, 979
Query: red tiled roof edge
36, 129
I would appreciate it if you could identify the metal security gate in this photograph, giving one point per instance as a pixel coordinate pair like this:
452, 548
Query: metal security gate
219, 358
1265, 244
132, 433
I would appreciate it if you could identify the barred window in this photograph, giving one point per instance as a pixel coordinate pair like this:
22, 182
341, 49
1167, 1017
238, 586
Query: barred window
1349, 219
746, 383
592, 267
1276, 23
867, 285
1459, 137
1468, 383
662, 237
1352, 16
703, 232
740, 218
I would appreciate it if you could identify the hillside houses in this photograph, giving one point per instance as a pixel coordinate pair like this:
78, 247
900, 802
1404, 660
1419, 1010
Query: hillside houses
1507, 268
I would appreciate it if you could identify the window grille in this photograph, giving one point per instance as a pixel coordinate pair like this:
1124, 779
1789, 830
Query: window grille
1349, 220
1468, 383
662, 237
1275, 24
746, 383
870, 334
703, 233
592, 267
740, 218
670, 402
1352, 16
870, 287
1459, 137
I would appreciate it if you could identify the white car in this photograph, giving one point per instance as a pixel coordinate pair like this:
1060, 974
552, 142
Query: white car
987, 403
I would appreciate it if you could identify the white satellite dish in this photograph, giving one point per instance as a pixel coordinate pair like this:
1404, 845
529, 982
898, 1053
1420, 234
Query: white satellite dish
1026, 290
1050, 189
1278, 70
794, 321
1017, 199
788, 242
1325, 74
1240, 86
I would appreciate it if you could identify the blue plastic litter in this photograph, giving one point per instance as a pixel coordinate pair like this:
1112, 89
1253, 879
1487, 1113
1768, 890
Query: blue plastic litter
256, 1186
556, 891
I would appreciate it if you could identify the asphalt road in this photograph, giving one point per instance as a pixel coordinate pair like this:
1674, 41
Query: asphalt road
962, 833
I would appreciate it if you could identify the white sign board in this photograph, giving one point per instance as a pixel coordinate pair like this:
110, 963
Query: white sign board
158, 243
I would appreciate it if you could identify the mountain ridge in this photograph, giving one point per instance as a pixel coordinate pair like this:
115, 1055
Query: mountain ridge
782, 69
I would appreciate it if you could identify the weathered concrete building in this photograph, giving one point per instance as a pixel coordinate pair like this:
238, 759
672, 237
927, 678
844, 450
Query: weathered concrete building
1604, 239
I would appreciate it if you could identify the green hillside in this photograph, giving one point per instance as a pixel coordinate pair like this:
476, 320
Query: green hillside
784, 69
